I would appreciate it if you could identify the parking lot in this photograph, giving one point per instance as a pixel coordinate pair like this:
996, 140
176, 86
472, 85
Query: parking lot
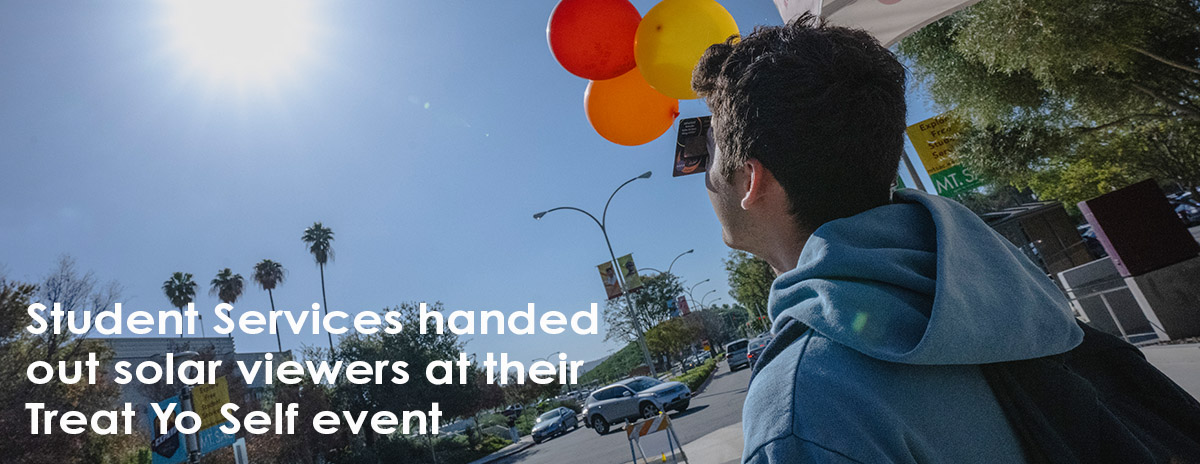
717, 407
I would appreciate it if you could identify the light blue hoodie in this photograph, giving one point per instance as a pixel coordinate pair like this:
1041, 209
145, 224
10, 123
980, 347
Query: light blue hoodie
902, 302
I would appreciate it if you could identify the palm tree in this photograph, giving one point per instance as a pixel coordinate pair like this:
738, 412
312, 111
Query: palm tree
181, 290
268, 274
228, 287
318, 238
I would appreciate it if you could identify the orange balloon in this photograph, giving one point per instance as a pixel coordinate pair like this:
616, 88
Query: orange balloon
627, 111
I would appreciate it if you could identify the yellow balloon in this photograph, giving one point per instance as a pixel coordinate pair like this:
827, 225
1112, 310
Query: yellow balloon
672, 37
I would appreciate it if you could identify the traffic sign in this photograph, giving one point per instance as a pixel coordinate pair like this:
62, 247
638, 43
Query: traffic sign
655, 440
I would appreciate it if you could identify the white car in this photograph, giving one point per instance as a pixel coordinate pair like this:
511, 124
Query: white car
632, 399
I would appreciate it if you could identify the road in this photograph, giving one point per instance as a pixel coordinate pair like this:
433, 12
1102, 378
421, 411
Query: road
718, 406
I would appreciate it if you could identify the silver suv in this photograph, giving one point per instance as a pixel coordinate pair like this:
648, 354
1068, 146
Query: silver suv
736, 354
632, 399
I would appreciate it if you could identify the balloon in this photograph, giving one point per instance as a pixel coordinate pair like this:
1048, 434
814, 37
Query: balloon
593, 39
673, 36
627, 111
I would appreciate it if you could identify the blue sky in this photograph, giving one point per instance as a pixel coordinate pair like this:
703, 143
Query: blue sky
425, 134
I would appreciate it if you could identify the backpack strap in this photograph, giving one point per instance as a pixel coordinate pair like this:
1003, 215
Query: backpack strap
1100, 402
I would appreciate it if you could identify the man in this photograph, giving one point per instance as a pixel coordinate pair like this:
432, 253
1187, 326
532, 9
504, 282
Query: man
885, 304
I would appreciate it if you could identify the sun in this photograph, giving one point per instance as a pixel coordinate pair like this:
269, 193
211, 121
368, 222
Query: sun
241, 40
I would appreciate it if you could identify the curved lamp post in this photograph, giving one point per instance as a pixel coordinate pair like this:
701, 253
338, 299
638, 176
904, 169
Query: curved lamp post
668, 267
697, 284
677, 259
637, 324
704, 296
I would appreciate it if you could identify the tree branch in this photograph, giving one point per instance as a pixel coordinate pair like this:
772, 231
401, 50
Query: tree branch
1123, 120
1168, 62
1189, 111
1160, 9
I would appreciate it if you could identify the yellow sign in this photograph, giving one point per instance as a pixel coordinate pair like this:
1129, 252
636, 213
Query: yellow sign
933, 139
207, 401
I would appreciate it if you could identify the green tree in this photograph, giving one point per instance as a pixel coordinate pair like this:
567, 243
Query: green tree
735, 318
19, 348
1069, 98
268, 275
75, 292
750, 281
418, 350
227, 286
652, 304
620, 364
181, 290
320, 243
671, 337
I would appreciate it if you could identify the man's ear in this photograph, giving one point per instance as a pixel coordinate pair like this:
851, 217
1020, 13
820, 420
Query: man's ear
759, 183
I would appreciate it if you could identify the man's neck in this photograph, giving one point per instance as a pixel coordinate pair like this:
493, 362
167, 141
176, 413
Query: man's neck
784, 249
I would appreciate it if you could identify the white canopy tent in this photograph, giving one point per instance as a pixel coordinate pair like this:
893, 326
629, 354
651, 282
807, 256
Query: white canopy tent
888, 20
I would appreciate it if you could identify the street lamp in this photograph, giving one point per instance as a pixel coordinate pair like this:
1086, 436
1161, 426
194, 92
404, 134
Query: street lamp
697, 284
677, 259
668, 267
714, 301
702, 297
637, 325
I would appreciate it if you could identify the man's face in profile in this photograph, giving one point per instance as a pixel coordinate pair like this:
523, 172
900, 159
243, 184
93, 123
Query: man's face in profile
725, 194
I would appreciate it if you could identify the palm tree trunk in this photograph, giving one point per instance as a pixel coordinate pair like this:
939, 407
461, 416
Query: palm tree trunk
278, 340
325, 306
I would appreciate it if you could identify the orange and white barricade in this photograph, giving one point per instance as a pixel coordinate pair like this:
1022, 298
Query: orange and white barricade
655, 441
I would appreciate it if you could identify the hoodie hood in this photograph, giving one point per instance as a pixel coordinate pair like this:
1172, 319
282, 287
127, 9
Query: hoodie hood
924, 281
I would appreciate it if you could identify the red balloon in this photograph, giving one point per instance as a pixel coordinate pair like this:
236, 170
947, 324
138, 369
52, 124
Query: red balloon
593, 39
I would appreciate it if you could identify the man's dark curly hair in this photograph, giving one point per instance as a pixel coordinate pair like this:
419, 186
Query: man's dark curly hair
821, 107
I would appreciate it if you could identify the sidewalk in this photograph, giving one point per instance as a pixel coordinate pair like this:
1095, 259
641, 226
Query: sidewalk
721, 447
1180, 362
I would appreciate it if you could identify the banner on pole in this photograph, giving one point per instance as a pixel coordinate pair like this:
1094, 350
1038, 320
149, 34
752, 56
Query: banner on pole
608, 275
633, 281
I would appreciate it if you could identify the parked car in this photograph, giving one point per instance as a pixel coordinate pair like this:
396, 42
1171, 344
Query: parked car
512, 412
735, 354
1188, 213
632, 399
754, 351
554, 422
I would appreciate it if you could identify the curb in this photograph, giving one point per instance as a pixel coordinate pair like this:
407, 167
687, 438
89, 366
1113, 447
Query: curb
504, 453
709, 380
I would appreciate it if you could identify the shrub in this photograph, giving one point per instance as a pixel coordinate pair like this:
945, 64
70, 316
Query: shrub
697, 375
492, 444
526, 420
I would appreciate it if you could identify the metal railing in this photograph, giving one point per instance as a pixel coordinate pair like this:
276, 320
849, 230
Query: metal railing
1074, 296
